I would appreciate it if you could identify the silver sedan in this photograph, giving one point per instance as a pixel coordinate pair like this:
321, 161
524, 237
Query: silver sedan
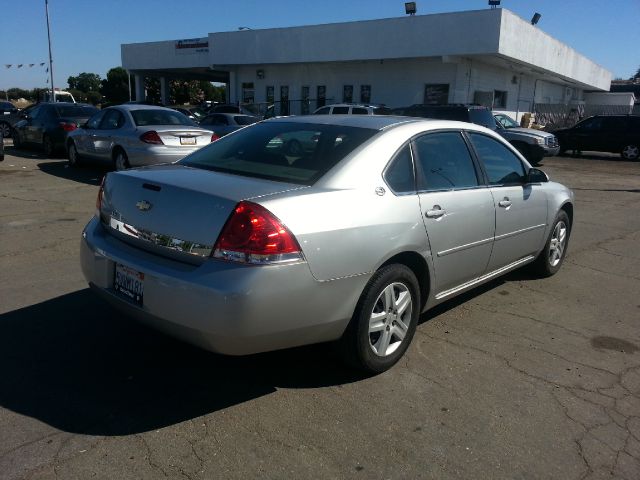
136, 135
249, 245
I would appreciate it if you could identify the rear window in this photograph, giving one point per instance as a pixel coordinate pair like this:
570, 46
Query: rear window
75, 111
340, 110
245, 119
287, 152
482, 116
143, 118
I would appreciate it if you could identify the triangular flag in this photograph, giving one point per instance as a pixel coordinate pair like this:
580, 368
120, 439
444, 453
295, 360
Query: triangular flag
42, 64
19, 65
31, 65
8, 65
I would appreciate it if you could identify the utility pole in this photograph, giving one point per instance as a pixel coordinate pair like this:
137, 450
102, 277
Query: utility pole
46, 7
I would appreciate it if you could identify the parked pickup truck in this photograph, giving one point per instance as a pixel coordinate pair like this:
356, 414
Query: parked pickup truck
533, 144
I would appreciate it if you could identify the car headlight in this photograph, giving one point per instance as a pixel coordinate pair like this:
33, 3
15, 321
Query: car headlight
540, 140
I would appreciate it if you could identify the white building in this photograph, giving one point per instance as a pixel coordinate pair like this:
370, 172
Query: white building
491, 57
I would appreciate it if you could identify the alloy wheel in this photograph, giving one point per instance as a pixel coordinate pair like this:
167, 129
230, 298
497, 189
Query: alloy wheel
557, 244
5, 130
631, 152
121, 161
390, 319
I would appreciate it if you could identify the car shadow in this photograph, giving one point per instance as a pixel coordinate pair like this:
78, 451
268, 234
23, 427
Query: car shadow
76, 364
89, 174
601, 156
23, 152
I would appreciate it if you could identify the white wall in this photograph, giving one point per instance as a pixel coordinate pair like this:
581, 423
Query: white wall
606, 98
393, 82
160, 55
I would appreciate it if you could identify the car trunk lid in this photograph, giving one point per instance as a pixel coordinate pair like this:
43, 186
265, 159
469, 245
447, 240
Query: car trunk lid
175, 210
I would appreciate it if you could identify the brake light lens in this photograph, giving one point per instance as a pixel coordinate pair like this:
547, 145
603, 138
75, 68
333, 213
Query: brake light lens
151, 137
215, 137
99, 198
68, 126
254, 235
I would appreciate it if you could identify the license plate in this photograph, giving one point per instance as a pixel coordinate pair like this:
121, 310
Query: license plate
129, 283
187, 140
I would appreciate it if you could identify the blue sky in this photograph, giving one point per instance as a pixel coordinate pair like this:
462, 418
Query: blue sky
86, 34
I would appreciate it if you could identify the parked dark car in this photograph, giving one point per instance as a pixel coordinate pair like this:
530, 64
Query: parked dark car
603, 133
47, 125
8, 112
224, 123
532, 144
1, 148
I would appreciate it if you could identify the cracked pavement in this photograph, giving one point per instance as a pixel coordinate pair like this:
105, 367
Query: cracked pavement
522, 378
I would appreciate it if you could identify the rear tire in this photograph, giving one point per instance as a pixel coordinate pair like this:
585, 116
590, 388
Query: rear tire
72, 155
552, 255
631, 152
384, 321
47, 146
120, 160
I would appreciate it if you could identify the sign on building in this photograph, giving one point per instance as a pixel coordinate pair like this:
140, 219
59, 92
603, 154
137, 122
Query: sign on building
188, 46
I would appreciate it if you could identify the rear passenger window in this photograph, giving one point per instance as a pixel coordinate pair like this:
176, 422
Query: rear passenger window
399, 176
444, 162
359, 111
501, 164
340, 110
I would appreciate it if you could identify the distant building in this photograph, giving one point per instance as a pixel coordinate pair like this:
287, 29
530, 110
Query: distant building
491, 57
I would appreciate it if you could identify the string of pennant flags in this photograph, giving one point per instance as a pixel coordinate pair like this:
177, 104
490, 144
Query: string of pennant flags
27, 65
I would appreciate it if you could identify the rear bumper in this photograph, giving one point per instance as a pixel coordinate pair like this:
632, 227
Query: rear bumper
223, 307
154, 154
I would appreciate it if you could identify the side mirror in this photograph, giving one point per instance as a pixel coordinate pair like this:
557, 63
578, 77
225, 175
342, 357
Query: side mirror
536, 175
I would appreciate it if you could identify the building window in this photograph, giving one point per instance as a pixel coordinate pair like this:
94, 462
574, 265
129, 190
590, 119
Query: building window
436, 93
284, 100
270, 94
483, 98
365, 93
322, 96
347, 93
499, 99
248, 93
304, 107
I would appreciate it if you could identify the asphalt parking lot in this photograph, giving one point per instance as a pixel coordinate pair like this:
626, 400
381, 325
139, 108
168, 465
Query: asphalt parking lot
520, 379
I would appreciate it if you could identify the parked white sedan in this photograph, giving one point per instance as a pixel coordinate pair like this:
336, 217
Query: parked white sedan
136, 135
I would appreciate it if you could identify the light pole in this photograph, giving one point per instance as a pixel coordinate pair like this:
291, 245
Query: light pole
46, 7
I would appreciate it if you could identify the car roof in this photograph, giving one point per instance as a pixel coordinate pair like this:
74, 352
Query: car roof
139, 106
376, 122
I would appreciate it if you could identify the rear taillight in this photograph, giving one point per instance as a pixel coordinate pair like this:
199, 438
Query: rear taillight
68, 126
214, 137
151, 137
254, 235
99, 198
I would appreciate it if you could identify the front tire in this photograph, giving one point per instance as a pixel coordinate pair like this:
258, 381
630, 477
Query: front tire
630, 152
5, 130
552, 255
384, 321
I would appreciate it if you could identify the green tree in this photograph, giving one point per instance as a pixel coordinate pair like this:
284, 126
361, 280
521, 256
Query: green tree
85, 82
115, 88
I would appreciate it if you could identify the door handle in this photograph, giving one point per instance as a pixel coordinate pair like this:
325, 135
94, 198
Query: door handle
435, 212
505, 203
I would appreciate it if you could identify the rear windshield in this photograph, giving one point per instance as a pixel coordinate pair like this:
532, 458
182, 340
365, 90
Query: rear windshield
287, 152
75, 111
145, 117
245, 119
482, 116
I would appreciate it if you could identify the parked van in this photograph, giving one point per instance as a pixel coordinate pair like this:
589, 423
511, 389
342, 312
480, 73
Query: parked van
59, 96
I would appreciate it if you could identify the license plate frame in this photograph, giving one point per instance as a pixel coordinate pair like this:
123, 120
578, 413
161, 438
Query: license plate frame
188, 141
129, 283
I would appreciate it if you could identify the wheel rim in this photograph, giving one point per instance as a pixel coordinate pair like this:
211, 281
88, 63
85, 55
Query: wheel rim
631, 152
557, 244
73, 155
390, 319
5, 131
121, 162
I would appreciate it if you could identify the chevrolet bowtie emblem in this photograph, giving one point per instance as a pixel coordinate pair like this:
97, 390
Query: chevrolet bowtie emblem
143, 205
